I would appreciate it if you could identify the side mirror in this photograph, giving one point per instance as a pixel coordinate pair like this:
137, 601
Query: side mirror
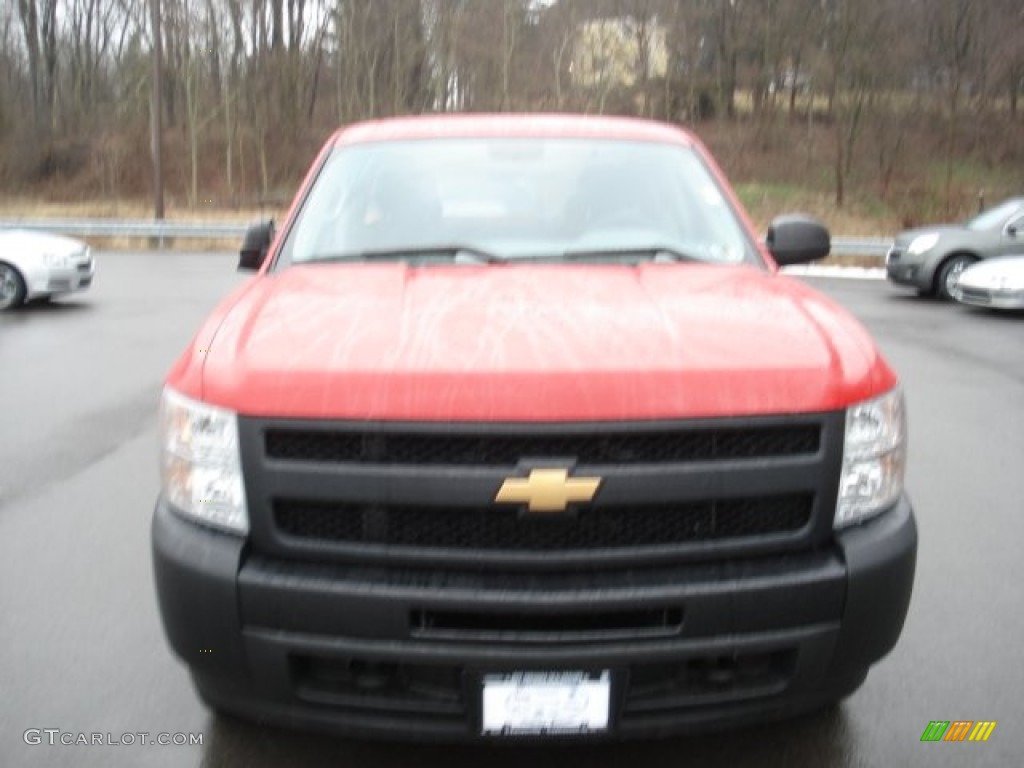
797, 239
255, 245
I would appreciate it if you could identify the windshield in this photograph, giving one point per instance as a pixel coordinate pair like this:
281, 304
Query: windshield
995, 217
515, 199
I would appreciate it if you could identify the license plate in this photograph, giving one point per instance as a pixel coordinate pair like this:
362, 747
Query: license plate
546, 703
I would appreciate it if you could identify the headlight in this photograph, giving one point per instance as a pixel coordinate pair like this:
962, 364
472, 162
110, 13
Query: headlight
874, 457
56, 260
922, 243
200, 463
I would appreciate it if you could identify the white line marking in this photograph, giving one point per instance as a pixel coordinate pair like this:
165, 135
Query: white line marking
848, 273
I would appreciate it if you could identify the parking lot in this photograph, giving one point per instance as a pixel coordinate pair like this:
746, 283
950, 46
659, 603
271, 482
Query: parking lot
84, 651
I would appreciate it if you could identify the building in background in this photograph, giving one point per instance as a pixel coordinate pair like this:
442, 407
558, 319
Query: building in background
618, 52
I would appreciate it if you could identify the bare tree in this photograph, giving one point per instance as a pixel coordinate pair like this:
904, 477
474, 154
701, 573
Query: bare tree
952, 35
850, 28
252, 86
729, 19
1005, 20
39, 27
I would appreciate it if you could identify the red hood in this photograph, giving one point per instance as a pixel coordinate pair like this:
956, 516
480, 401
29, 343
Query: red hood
529, 343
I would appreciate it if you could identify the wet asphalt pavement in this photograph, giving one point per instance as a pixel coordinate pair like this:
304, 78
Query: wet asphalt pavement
83, 651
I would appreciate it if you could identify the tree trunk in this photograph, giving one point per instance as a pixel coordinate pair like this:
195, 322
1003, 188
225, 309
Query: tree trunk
30, 29
793, 86
951, 145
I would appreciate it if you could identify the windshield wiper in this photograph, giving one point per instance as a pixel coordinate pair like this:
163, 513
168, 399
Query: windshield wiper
478, 255
655, 253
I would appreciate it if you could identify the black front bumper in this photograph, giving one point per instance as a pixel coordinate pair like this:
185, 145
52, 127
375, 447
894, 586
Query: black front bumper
902, 268
348, 648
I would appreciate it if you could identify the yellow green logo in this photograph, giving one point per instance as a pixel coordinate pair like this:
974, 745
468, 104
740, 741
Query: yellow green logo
958, 730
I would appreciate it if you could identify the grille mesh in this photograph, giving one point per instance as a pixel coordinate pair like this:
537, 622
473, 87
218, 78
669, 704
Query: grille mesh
504, 529
593, 448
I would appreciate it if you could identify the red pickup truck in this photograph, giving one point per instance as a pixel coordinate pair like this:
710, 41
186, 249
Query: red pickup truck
518, 433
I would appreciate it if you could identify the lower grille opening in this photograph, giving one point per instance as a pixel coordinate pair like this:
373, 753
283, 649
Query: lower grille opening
555, 627
706, 680
438, 691
365, 684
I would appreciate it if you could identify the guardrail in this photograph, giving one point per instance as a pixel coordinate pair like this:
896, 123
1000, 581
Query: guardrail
160, 230
207, 230
861, 246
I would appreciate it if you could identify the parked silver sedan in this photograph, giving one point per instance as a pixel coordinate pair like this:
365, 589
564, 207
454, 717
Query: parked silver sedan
997, 284
36, 265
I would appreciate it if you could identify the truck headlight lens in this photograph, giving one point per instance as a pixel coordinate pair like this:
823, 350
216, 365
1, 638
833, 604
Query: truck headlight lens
200, 463
923, 243
874, 457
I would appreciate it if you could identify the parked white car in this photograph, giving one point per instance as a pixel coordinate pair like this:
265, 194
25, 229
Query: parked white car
37, 265
996, 283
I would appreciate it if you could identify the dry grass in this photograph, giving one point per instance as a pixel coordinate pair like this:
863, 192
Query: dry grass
146, 244
849, 221
854, 261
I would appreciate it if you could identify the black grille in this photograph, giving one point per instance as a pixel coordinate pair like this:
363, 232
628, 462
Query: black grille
496, 528
592, 448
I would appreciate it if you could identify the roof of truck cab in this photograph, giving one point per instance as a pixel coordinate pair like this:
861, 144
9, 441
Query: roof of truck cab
545, 126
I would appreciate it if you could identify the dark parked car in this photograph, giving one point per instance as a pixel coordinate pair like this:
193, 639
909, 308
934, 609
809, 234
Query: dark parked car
931, 259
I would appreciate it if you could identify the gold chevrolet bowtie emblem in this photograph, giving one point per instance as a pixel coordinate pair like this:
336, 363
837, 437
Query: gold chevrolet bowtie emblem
547, 490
